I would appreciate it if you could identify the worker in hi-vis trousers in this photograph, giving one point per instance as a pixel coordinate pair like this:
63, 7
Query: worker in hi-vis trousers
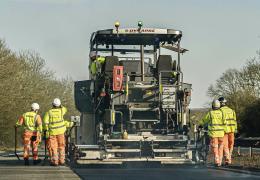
55, 127
32, 124
215, 122
230, 129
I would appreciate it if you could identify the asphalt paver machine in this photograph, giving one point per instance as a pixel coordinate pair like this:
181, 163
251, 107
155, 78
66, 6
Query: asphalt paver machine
135, 108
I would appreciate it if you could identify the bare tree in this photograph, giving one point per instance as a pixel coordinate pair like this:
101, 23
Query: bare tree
26, 79
241, 88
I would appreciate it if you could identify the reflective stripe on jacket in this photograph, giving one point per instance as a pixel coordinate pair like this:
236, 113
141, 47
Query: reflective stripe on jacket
93, 68
215, 122
230, 118
54, 121
30, 121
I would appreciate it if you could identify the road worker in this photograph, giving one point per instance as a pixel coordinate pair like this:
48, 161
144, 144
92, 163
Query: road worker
47, 137
32, 124
96, 64
55, 127
230, 129
215, 123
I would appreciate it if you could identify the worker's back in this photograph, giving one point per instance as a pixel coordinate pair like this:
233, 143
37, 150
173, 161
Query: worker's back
54, 121
215, 122
229, 116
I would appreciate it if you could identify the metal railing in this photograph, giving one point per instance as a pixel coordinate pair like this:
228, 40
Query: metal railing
250, 145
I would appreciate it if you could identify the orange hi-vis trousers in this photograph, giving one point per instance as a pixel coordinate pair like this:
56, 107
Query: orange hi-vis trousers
27, 141
57, 149
217, 148
229, 139
48, 146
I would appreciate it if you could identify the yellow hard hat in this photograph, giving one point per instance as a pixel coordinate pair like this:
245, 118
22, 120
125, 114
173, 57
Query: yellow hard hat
117, 24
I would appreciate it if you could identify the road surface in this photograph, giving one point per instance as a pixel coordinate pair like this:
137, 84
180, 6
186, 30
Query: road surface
180, 173
10, 169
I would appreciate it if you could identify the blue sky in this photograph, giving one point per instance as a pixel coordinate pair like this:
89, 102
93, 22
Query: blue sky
219, 34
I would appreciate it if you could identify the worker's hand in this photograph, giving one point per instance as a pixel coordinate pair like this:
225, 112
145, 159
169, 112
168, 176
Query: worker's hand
237, 135
17, 125
39, 137
47, 135
200, 127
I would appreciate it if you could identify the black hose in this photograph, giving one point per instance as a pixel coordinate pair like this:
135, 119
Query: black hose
67, 138
15, 142
45, 145
98, 104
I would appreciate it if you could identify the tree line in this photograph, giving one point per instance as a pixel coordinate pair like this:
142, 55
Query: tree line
24, 79
241, 88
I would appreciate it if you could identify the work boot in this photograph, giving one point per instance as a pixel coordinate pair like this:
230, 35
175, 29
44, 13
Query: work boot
62, 164
26, 162
53, 164
226, 164
217, 165
38, 161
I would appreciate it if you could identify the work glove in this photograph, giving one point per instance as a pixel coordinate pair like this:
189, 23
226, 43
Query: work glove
200, 127
39, 136
17, 125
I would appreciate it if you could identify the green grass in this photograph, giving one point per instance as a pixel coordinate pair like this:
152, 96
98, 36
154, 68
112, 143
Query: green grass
246, 161
242, 160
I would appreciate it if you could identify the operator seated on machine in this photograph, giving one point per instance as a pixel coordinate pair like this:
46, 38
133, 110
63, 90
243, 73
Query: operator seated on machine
173, 77
174, 73
96, 64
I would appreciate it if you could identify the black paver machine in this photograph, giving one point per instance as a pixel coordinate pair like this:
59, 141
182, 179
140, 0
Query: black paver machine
135, 108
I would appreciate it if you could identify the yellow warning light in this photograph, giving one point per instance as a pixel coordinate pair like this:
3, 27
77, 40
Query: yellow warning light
117, 24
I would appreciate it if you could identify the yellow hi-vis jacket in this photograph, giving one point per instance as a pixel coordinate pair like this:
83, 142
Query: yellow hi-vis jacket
230, 118
214, 120
30, 121
96, 64
54, 123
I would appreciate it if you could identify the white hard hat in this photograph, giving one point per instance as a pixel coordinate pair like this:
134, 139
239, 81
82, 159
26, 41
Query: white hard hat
35, 106
92, 54
215, 104
56, 102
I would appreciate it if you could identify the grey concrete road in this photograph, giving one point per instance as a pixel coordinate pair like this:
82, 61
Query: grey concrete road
37, 173
12, 169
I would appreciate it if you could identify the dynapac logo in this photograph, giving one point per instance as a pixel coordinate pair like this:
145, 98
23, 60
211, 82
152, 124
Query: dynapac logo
139, 30
142, 30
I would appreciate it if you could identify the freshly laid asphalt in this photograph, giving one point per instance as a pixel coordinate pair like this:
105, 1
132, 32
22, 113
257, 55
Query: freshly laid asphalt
11, 168
163, 173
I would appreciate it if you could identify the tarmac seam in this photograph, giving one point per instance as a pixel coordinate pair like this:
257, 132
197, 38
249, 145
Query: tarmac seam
235, 170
